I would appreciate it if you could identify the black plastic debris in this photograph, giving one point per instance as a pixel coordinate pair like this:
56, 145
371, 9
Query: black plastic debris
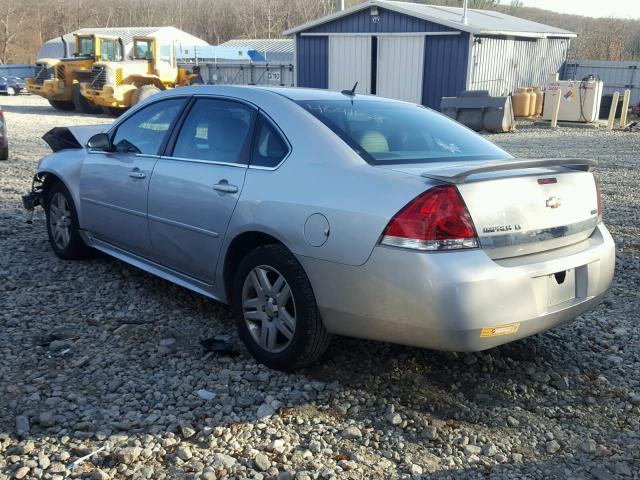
219, 344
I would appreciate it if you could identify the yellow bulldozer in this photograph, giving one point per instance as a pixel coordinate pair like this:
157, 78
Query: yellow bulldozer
116, 86
58, 79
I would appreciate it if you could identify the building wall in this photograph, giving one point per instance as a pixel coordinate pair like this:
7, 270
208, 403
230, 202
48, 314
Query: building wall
617, 76
312, 61
17, 70
502, 64
445, 68
445, 57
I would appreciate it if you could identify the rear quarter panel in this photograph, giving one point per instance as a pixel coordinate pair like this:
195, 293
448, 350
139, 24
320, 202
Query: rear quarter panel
321, 175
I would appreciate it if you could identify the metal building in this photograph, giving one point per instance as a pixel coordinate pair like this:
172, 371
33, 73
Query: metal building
421, 53
54, 48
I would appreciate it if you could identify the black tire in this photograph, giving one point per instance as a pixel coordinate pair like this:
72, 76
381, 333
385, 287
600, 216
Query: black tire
82, 104
142, 93
310, 339
62, 105
4, 152
75, 248
113, 111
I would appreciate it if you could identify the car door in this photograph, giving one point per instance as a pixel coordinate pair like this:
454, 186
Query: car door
195, 188
114, 184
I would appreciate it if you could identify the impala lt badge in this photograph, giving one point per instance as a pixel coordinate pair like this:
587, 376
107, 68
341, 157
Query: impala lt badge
501, 228
553, 202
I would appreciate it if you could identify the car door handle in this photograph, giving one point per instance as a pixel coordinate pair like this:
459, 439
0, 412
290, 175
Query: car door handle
224, 187
136, 173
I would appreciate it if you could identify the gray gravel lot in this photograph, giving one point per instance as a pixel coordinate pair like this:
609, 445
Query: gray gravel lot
96, 351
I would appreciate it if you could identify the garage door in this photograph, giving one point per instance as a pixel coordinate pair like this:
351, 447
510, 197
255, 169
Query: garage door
350, 62
400, 67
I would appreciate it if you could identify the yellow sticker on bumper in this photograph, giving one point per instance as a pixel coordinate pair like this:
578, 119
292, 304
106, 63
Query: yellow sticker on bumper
498, 330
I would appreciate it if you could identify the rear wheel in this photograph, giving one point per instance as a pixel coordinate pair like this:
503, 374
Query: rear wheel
11, 91
142, 93
4, 152
62, 224
82, 104
275, 310
62, 105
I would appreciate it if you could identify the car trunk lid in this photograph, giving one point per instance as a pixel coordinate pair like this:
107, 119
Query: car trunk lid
519, 206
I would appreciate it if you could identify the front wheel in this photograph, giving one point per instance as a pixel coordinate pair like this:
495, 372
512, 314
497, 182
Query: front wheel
11, 91
140, 94
62, 224
82, 104
62, 105
113, 111
275, 310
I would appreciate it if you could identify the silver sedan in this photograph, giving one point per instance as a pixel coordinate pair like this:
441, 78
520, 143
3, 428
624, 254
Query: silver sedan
315, 213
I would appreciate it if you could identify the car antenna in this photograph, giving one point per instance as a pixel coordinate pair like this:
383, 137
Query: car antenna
351, 92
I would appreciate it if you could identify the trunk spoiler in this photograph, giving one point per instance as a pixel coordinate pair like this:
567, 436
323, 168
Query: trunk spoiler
64, 138
460, 172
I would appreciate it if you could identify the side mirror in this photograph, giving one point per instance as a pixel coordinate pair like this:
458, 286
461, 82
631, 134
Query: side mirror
100, 141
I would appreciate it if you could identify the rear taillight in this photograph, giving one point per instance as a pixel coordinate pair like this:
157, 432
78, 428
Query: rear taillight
599, 195
438, 219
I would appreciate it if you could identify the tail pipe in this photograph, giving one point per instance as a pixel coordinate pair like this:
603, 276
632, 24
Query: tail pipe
65, 47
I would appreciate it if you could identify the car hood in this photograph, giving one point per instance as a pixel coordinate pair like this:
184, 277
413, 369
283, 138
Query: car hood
64, 138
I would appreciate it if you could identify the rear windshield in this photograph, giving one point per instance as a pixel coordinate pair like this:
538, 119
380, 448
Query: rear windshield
386, 133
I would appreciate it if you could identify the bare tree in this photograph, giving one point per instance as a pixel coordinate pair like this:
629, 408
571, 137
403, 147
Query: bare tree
12, 17
26, 24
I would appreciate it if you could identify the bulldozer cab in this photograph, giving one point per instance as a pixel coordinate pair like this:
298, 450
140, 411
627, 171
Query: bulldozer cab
85, 46
110, 49
160, 55
100, 48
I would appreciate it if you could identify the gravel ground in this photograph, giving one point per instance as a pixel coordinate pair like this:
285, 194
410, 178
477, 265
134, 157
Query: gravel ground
97, 351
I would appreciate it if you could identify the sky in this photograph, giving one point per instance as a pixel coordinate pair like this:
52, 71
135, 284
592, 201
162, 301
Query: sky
590, 8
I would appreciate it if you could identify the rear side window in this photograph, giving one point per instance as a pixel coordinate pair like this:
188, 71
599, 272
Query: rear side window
215, 130
386, 133
144, 131
269, 148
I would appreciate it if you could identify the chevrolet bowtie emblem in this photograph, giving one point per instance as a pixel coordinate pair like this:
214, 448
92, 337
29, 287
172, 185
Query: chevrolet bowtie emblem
553, 202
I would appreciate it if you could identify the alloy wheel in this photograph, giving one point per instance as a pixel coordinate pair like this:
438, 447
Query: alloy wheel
60, 220
268, 308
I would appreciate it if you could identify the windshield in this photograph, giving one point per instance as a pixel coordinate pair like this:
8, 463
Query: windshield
388, 132
85, 47
110, 50
142, 50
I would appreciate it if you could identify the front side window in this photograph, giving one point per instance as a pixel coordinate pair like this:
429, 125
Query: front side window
85, 46
110, 50
269, 148
142, 50
144, 131
214, 130
393, 133
164, 52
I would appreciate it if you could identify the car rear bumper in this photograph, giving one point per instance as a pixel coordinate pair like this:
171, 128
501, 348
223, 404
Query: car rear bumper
461, 301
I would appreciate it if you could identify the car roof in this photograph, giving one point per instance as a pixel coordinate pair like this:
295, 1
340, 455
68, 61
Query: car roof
292, 93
